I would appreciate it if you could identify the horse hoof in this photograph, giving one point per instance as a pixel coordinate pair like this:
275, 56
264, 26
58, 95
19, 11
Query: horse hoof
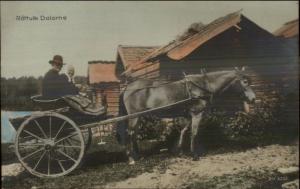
131, 162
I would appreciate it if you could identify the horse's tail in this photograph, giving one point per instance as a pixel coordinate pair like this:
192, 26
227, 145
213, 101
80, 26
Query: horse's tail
122, 125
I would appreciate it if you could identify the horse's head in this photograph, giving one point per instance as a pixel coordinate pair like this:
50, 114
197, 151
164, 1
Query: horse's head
220, 81
242, 86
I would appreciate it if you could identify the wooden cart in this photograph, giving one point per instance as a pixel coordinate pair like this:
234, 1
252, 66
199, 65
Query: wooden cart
52, 143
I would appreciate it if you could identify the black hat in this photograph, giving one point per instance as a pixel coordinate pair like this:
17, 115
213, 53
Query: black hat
57, 59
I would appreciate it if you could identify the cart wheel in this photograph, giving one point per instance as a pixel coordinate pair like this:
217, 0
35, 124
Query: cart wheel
49, 145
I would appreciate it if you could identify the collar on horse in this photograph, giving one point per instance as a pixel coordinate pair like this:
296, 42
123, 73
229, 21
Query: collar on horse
188, 83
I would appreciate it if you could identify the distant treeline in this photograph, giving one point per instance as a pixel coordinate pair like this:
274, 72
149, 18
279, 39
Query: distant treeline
16, 92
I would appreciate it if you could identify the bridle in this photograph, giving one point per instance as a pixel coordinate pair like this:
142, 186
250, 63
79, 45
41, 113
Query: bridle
230, 83
239, 78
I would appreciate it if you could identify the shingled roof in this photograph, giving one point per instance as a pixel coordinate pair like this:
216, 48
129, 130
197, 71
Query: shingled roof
194, 37
184, 45
132, 54
289, 29
101, 72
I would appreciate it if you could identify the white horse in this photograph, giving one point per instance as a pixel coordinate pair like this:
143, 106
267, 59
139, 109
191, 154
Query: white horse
145, 94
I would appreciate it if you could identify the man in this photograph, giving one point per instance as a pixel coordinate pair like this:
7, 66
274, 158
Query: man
56, 85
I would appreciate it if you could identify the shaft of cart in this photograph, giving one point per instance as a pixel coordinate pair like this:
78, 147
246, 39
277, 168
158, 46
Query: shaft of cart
130, 116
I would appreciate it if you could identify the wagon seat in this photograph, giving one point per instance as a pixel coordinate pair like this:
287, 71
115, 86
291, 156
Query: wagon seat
77, 102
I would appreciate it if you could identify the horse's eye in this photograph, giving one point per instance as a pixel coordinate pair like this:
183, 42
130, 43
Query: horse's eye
245, 82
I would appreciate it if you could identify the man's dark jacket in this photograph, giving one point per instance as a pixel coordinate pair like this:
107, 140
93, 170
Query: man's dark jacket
56, 85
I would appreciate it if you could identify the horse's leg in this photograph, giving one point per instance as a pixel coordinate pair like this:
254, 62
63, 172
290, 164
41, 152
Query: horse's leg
196, 119
182, 133
132, 146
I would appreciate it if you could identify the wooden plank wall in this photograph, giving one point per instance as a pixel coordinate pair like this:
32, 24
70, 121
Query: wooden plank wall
146, 70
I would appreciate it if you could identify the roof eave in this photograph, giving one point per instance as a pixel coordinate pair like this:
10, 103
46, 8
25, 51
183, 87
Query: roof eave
120, 52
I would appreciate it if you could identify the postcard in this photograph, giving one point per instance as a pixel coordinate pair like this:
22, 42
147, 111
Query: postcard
150, 94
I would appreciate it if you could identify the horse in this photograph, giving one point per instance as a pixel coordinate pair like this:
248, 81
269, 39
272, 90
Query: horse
199, 89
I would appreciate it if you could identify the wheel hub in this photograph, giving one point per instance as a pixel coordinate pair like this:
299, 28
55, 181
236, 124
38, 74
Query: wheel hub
49, 144
47, 147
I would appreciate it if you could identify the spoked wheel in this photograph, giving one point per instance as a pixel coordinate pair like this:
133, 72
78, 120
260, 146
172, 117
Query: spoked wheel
49, 145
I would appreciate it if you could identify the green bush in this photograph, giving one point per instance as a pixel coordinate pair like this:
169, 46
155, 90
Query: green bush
150, 127
268, 122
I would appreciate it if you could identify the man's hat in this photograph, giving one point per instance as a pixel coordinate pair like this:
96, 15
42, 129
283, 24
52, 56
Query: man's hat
57, 59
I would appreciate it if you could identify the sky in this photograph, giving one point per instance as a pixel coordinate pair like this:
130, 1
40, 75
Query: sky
93, 30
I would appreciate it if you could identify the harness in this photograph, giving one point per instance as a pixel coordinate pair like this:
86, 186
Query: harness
208, 96
188, 84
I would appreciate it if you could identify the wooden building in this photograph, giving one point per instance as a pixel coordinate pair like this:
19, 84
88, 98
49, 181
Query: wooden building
128, 55
288, 30
101, 76
227, 42
289, 36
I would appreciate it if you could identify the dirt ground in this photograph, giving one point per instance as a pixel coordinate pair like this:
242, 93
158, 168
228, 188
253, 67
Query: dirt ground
182, 171
224, 170
13, 169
